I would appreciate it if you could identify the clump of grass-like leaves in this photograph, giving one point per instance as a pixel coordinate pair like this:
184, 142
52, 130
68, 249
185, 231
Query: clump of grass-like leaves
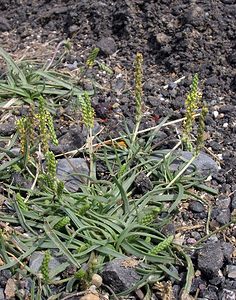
106, 219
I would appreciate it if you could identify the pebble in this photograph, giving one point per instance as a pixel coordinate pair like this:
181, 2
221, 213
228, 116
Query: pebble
225, 125
228, 250
2, 296
107, 45
231, 270
215, 114
118, 277
223, 216
196, 206
36, 261
196, 235
233, 203
210, 259
227, 109
4, 24
223, 202
191, 241
228, 295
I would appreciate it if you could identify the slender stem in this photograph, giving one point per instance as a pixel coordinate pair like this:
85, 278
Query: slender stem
90, 148
214, 232
181, 171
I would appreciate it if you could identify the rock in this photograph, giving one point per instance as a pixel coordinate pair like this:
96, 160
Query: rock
90, 296
196, 206
196, 235
7, 128
96, 280
213, 80
73, 139
197, 281
168, 229
228, 250
224, 216
228, 295
68, 171
4, 276
73, 28
210, 293
217, 280
227, 109
36, 261
215, 146
162, 39
233, 203
107, 45
195, 16
231, 270
210, 259
223, 202
2, 296
204, 164
10, 289
71, 66
143, 183
4, 24
118, 276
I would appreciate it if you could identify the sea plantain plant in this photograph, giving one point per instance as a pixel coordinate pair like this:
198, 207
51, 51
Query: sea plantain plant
106, 219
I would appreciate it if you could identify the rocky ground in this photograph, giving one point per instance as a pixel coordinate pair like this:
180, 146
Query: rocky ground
177, 39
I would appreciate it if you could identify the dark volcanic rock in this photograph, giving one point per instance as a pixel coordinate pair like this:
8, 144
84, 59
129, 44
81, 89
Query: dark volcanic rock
107, 45
69, 171
196, 206
210, 259
224, 216
119, 277
4, 24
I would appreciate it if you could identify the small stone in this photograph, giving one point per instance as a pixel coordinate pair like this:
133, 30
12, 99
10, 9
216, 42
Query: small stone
215, 114
191, 241
210, 259
71, 67
228, 295
90, 296
73, 28
107, 45
10, 289
223, 202
225, 125
2, 296
162, 39
223, 216
68, 171
231, 270
36, 261
7, 128
196, 235
168, 229
196, 206
4, 24
119, 276
228, 250
96, 280
217, 280
227, 109
212, 80
143, 183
